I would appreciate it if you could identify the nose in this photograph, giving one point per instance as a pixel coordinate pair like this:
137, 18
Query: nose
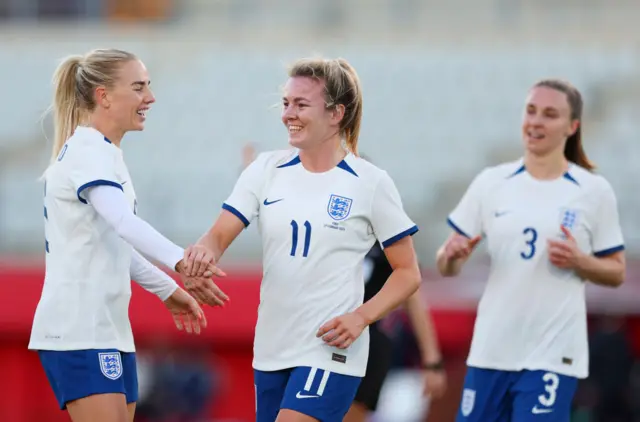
288, 113
150, 98
534, 119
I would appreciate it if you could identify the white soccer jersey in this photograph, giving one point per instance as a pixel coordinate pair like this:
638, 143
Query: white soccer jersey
316, 229
532, 314
87, 286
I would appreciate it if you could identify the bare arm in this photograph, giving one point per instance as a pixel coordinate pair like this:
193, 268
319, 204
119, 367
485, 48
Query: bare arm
223, 232
606, 271
424, 329
402, 283
454, 253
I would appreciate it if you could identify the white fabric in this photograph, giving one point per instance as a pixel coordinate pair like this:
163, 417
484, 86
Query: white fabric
112, 205
151, 278
532, 315
87, 286
316, 229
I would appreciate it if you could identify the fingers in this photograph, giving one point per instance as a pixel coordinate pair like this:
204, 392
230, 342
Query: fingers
566, 232
187, 264
177, 319
328, 326
214, 271
205, 291
200, 263
473, 242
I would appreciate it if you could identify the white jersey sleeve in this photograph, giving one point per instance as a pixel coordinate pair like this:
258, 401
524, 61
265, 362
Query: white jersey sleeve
606, 237
112, 206
244, 200
466, 218
151, 278
389, 220
96, 167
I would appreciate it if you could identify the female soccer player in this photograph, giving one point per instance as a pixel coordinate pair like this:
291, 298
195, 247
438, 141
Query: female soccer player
551, 224
81, 326
320, 209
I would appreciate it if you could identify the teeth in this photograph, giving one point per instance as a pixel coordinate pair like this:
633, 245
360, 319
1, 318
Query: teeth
295, 128
142, 113
536, 135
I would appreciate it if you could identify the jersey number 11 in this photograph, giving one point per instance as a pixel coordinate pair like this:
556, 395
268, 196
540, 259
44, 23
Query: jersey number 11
294, 238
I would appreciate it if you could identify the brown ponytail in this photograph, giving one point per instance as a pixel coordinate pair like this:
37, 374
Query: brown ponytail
573, 149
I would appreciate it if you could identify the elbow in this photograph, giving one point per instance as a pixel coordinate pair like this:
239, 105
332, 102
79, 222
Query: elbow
618, 279
414, 278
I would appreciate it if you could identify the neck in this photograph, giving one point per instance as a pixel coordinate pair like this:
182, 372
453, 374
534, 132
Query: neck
108, 129
546, 167
324, 157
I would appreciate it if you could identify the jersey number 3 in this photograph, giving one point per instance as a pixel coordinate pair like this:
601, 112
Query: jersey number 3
294, 238
531, 236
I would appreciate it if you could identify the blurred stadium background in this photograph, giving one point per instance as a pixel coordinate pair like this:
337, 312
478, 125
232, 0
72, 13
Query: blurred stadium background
444, 83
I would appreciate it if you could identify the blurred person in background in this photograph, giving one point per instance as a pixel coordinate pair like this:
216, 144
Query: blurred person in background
376, 272
320, 210
81, 326
551, 224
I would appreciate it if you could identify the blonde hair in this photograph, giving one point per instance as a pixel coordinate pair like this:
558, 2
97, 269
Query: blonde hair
341, 87
75, 81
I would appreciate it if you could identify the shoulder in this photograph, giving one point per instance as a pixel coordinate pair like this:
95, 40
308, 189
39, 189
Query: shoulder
593, 183
494, 175
274, 159
368, 174
87, 142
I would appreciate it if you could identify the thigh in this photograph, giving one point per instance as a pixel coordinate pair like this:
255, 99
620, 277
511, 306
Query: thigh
378, 365
130, 377
323, 395
485, 397
543, 396
108, 407
77, 374
270, 387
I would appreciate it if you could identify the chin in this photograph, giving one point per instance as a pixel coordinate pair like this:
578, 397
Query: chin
296, 143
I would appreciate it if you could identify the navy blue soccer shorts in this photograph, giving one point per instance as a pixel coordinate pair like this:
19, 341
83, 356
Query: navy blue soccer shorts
320, 394
76, 374
516, 396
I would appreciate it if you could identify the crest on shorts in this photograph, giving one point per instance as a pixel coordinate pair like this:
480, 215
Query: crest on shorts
468, 400
110, 365
339, 207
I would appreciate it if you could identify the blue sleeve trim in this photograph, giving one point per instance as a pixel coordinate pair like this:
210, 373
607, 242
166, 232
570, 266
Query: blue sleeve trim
457, 229
409, 232
236, 213
99, 182
609, 251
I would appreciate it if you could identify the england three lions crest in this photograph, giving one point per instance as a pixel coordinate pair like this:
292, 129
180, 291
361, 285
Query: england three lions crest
339, 207
111, 365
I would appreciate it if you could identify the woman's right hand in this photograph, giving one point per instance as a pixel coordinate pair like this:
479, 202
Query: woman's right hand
199, 261
459, 246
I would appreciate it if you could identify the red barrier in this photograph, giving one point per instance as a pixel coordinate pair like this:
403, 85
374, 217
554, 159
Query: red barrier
227, 340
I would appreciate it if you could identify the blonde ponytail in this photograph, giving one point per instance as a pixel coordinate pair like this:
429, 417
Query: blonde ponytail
66, 102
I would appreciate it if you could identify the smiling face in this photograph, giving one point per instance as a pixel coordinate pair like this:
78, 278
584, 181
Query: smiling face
305, 115
548, 121
128, 99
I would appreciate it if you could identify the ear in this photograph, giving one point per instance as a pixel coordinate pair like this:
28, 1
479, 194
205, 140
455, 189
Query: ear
575, 124
102, 97
337, 114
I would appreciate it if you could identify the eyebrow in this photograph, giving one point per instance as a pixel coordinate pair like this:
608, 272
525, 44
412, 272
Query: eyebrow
296, 99
143, 83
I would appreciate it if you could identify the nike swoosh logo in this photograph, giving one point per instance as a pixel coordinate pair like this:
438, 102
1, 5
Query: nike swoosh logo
266, 201
537, 411
305, 396
124, 182
500, 213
